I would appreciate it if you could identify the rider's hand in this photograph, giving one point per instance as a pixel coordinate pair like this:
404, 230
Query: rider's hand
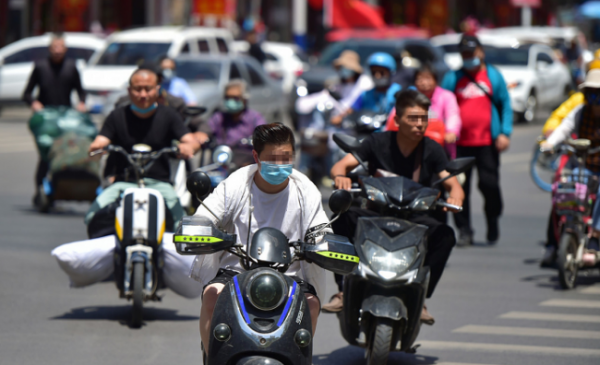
343, 182
546, 147
81, 107
337, 120
450, 138
453, 201
186, 151
502, 143
36, 106
201, 137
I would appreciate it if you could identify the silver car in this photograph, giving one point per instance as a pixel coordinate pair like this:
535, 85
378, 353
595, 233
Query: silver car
208, 75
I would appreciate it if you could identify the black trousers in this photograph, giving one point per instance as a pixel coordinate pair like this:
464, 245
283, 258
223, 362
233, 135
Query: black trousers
487, 162
42, 170
440, 241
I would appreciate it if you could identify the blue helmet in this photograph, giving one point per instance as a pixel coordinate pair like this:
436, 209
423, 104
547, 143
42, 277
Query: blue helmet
382, 59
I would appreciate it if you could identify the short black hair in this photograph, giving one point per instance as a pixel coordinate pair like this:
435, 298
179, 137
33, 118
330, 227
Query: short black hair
274, 133
426, 68
409, 98
147, 67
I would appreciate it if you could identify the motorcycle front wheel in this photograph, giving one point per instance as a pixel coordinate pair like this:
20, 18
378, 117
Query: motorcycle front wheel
567, 261
138, 294
381, 340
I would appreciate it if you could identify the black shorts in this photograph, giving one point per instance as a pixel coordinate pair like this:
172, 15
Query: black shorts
224, 276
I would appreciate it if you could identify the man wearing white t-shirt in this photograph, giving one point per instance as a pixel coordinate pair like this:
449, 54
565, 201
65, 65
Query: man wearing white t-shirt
276, 196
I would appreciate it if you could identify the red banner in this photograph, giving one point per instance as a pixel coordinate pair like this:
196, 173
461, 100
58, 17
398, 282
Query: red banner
355, 14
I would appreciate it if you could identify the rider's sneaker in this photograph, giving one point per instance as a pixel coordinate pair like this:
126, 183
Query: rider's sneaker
594, 244
549, 259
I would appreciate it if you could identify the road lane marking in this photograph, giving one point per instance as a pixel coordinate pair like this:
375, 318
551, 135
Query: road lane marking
591, 290
523, 349
572, 303
556, 317
526, 331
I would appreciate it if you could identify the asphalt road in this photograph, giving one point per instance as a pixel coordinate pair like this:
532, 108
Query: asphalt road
494, 305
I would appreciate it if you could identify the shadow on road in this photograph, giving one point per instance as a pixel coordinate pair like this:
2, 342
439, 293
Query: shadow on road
57, 211
122, 314
351, 355
589, 277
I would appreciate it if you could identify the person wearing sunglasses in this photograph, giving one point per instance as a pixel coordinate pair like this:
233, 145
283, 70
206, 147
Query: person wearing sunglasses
234, 123
584, 120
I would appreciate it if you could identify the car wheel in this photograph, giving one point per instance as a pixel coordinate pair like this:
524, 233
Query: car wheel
531, 108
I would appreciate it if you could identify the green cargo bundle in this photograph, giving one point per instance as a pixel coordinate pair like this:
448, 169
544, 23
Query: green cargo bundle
52, 123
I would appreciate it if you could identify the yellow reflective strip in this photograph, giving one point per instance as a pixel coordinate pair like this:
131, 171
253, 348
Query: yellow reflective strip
196, 239
161, 232
118, 229
339, 256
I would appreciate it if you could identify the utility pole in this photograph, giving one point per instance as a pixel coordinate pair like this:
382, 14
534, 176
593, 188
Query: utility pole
299, 14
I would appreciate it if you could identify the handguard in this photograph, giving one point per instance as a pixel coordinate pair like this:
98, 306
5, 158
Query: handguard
335, 253
199, 236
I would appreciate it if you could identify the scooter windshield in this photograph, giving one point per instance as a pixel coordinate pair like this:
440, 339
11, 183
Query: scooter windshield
399, 190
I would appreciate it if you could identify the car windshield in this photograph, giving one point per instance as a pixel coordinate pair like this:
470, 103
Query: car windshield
131, 54
199, 71
364, 51
506, 56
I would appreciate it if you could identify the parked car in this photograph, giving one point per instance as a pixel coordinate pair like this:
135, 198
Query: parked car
314, 79
109, 70
16, 60
285, 61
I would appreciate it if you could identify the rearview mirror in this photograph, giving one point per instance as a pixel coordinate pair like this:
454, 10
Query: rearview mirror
199, 184
340, 201
347, 143
460, 165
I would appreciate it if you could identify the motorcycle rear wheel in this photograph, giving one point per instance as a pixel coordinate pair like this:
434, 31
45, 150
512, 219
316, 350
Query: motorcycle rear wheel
138, 294
566, 260
378, 349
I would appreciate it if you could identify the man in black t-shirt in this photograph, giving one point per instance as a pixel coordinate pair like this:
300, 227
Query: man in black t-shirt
406, 153
143, 121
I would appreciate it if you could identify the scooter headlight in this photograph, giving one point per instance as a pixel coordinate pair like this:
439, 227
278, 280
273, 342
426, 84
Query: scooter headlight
266, 290
375, 195
388, 264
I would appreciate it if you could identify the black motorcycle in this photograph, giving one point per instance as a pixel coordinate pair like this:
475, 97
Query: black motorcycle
262, 317
384, 296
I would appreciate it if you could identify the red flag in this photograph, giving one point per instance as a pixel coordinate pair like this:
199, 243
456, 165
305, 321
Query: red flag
355, 14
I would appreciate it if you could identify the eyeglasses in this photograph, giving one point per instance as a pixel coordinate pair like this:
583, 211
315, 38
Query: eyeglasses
139, 89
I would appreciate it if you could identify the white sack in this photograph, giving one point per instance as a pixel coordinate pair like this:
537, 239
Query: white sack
91, 261
176, 272
86, 262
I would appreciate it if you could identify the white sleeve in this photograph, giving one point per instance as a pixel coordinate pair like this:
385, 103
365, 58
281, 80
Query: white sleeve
216, 201
566, 127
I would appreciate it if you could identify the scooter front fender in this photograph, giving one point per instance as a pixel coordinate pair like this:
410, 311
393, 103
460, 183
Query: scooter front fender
385, 307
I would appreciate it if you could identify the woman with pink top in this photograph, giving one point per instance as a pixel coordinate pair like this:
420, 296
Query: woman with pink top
443, 107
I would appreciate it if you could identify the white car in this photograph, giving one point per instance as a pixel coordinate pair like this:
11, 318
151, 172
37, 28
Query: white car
285, 61
16, 60
109, 70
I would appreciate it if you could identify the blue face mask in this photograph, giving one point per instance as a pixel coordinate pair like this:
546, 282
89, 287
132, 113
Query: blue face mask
168, 74
471, 63
233, 106
144, 111
275, 174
